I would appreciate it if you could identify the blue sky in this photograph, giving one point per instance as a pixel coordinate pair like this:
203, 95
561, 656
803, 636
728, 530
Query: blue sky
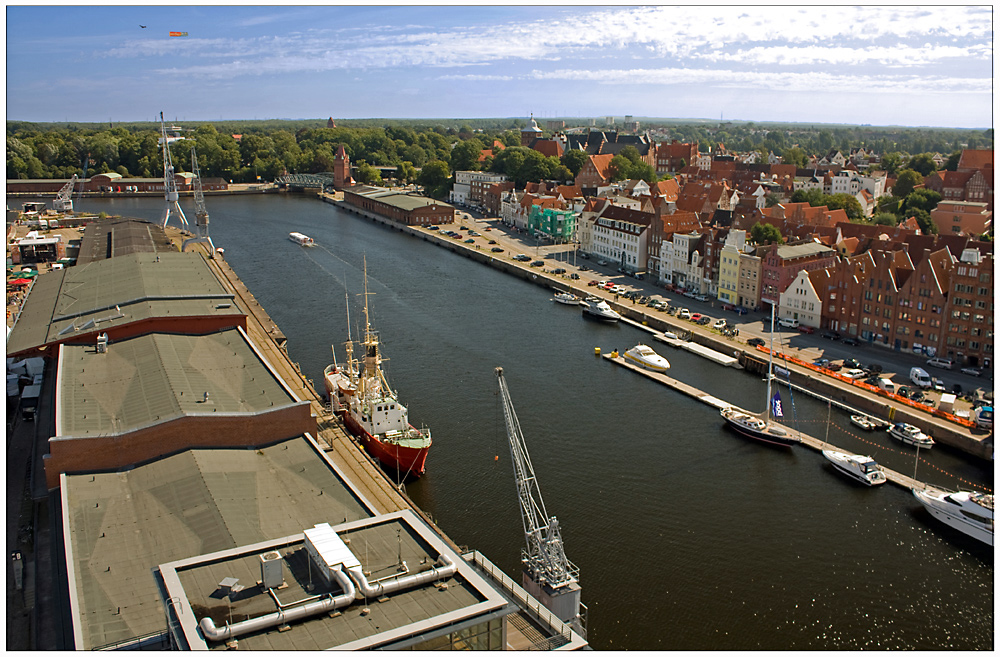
881, 65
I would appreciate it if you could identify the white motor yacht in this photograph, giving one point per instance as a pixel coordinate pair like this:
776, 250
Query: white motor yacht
969, 513
861, 468
301, 239
568, 299
910, 435
643, 356
602, 311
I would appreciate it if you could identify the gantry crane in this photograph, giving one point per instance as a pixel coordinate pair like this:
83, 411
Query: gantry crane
548, 574
64, 199
200, 211
169, 182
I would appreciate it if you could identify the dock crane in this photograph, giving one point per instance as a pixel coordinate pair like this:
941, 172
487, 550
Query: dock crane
64, 199
169, 182
548, 575
200, 211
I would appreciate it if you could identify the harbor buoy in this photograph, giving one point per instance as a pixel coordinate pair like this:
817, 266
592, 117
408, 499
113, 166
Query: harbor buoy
597, 351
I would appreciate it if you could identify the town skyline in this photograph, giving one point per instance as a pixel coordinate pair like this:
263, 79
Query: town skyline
900, 66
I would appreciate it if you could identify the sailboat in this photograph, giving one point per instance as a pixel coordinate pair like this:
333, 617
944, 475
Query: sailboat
360, 394
759, 426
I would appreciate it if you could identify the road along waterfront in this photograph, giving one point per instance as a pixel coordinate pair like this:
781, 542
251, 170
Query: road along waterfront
687, 536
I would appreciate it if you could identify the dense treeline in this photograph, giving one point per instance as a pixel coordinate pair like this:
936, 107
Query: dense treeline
268, 148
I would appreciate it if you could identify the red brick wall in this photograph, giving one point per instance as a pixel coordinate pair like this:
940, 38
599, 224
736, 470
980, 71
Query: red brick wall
116, 452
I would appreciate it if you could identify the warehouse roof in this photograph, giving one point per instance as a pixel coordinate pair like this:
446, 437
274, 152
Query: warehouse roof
67, 304
157, 377
400, 200
108, 238
120, 525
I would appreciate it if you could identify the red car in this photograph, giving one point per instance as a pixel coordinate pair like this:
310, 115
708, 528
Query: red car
695, 317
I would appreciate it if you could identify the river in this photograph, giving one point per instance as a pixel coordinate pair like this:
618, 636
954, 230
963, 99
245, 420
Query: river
687, 536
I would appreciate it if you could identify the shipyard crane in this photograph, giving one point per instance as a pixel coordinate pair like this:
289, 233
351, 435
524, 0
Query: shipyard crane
548, 574
83, 181
200, 212
64, 199
169, 182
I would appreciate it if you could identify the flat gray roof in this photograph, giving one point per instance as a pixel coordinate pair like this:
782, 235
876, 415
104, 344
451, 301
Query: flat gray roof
397, 199
109, 238
78, 300
379, 544
118, 526
161, 376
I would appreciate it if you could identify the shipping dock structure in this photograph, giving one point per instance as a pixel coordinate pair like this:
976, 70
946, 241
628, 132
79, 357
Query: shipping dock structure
200, 496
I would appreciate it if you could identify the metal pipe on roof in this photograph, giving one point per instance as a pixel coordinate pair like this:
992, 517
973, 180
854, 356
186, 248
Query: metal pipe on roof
213, 633
378, 589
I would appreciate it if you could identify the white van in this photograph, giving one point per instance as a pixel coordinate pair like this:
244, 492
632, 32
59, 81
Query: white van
920, 377
887, 385
943, 363
788, 322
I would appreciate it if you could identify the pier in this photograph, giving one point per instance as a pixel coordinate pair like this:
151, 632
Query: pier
809, 441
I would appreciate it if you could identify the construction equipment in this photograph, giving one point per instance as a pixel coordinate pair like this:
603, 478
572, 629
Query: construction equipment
200, 211
64, 199
548, 575
169, 182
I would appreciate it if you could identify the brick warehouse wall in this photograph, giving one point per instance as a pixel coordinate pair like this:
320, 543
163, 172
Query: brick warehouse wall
109, 453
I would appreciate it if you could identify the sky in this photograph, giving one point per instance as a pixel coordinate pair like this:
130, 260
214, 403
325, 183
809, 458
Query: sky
901, 65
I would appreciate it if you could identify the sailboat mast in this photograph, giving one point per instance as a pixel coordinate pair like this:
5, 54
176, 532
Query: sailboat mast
770, 360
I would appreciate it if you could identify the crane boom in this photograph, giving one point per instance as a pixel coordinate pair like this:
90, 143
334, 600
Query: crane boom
64, 199
169, 182
545, 556
200, 211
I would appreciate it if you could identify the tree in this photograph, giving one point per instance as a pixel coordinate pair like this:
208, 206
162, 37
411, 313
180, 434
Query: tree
574, 160
885, 219
620, 168
435, 177
921, 199
927, 225
796, 156
465, 155
905, 182
849, 204
406, 172
952, 163
922, 164
368, 174
891, 162
766, 234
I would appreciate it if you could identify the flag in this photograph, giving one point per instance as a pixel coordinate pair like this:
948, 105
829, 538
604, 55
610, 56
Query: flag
178, 34
776, 405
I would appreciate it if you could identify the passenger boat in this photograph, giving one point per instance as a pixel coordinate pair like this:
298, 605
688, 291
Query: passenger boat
863, 421
910, 435
969, 512
643, 356
301, 239
602, 311
568, 299
759, 426
855, 466
360, 394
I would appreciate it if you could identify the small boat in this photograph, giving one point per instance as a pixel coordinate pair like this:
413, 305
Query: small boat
863, 421
643, 356
602, 311
910, 435
861, 468
568, 299
969, 512
301, 239
759, 426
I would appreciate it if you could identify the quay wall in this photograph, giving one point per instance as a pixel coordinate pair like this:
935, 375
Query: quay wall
944, 432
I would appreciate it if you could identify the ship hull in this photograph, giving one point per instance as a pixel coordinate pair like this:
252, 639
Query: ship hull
765, 436
407, 461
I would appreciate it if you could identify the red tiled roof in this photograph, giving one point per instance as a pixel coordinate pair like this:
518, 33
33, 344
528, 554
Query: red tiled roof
975, 159
548, 147
602, 163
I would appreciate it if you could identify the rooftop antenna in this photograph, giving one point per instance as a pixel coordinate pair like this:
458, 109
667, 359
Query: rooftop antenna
169, 182
200, 212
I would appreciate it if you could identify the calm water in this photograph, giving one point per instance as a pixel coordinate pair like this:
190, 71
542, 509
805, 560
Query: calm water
687, 536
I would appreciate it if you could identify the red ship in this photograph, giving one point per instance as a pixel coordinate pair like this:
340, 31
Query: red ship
370, 409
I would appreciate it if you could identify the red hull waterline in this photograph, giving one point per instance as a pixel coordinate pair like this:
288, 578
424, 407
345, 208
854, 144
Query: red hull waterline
405, 460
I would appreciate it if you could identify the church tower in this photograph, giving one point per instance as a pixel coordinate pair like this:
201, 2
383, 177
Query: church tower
342, 169
530, 133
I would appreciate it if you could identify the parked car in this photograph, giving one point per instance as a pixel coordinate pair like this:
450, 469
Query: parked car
695, 317
755, 342
852, 363
538, 263
492, 242
853, 373
705, 320
496, 249
851, 342
558, 270
874, 368
831, 335
701, 297
719, 325
937, 384
972, 371
943, 363
575, 276
821, 362
592, 284
683, 313
470, 241
805, 329
434, 228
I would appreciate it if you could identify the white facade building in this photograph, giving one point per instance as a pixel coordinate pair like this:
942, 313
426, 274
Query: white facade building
800, 301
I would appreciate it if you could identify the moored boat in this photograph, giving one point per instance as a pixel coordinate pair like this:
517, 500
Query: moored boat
969, 512
910, 435
863, 421
371, 410
568, 299
857, 467
759, 426
301, 239
644, 356
602, 311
